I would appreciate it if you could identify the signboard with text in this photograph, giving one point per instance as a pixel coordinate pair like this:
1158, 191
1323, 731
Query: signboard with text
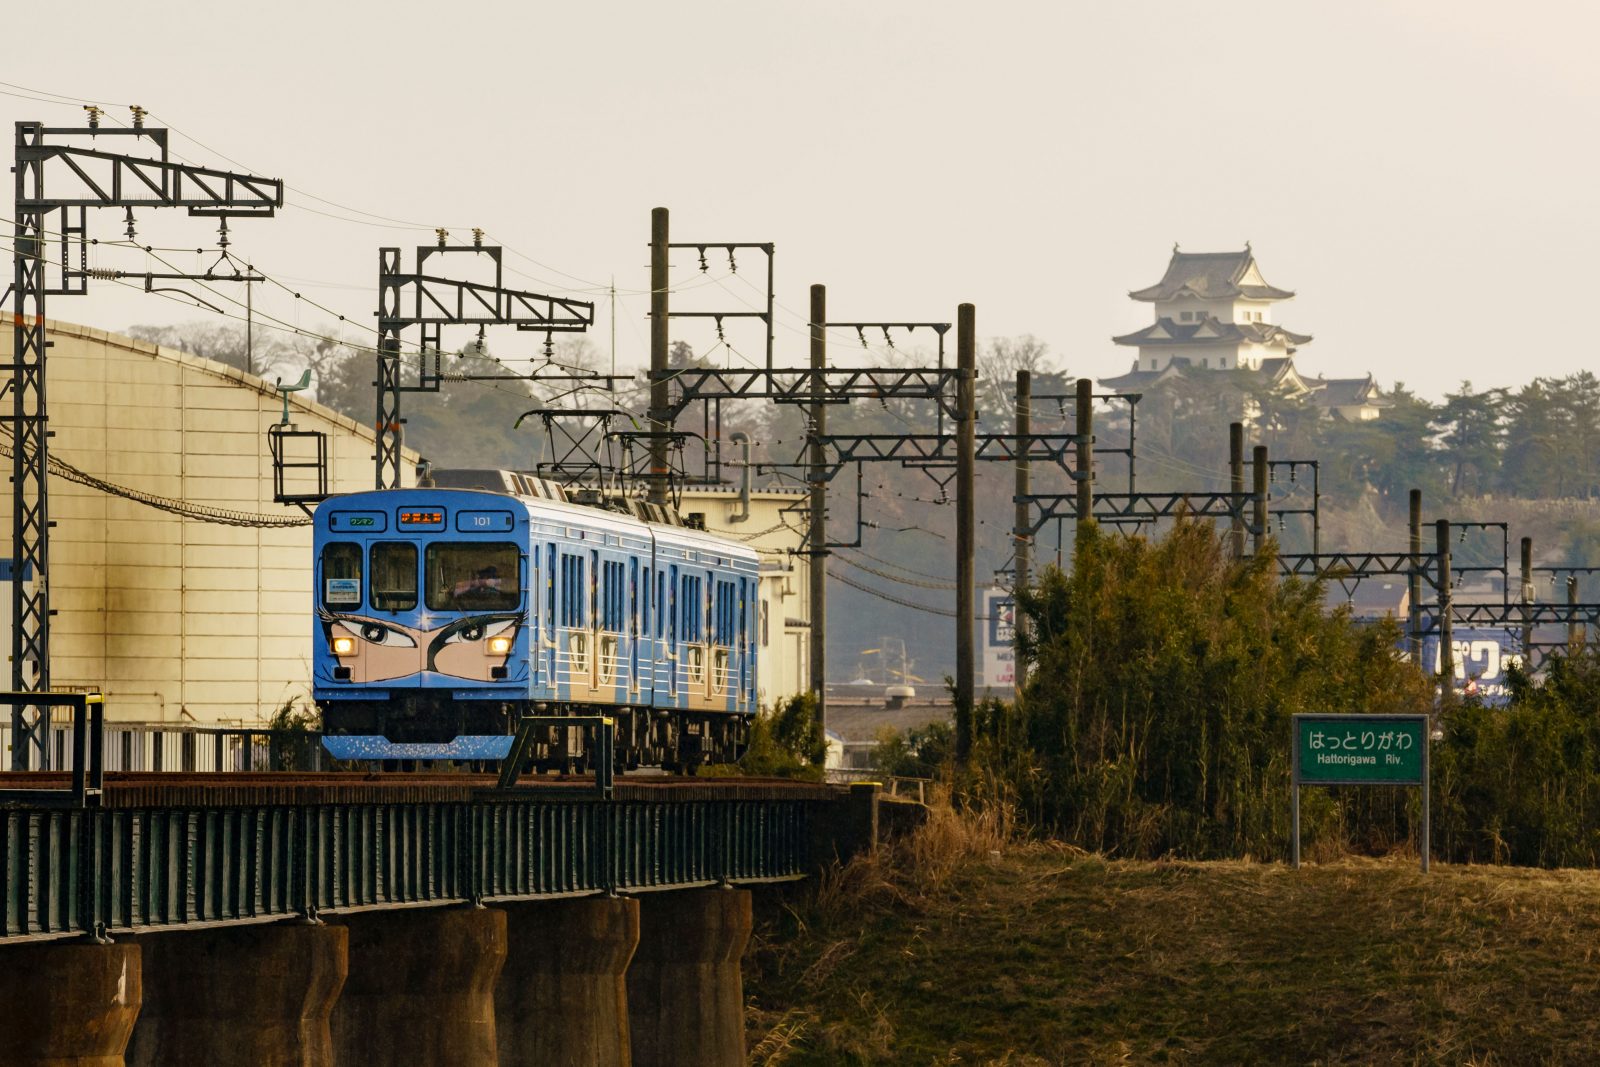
1359, 750
1480, 656
999, 657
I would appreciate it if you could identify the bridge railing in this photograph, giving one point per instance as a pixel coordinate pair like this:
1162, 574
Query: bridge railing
136, 746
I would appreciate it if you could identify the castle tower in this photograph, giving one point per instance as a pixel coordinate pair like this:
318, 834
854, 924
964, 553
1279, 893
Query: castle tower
1213, 311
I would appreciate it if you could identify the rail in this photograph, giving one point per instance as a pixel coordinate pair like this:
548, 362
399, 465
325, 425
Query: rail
892, 783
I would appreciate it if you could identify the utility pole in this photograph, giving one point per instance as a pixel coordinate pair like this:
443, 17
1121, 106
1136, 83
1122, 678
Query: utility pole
1527, 601
1259, 519
1574, 630
1414, 580
433, 301
51, 228
660, 423
1019, 532
966, 526
249, 328
1236, 486
1447, 651
1084, 472
817, 537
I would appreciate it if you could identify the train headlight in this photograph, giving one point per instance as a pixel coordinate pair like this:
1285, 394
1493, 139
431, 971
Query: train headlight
500, 646
344, 646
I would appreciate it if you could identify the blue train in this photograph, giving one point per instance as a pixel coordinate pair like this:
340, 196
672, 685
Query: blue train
445, 612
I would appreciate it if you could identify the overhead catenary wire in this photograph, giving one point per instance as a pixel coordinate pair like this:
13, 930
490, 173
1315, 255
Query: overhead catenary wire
184, 508
941, 586
946, 612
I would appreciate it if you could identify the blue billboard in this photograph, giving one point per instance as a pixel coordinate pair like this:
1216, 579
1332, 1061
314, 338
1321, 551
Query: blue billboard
1480, 656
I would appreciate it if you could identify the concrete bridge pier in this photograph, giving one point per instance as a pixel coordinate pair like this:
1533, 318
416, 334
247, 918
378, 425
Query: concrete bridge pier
420, 988
562, 1000
685, 993
67, 1003
240, 996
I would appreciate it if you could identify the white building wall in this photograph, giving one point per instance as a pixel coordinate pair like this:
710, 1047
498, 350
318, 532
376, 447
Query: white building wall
783, 666
175, 618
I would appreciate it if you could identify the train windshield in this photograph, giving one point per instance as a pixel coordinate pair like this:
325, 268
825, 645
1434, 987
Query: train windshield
394, 576
473, 577
341, 575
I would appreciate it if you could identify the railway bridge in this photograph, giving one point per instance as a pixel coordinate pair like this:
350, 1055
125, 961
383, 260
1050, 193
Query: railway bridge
372, 919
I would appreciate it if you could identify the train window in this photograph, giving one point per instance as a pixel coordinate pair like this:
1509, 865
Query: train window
694, 615
612, 593
744, 614
633, 596
671, 602
722, 619
474, 577
644, 607
394, 576
341, 575
661, 603
550, 586
573, 591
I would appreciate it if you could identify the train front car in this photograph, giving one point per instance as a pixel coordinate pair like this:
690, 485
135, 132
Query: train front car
422, 617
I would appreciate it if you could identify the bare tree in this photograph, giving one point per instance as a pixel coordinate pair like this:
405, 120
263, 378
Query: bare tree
998, 364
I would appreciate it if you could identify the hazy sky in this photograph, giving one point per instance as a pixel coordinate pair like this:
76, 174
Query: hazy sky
1421, 173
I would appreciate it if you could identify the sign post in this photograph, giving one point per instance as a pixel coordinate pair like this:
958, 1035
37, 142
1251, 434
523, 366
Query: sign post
1360, 750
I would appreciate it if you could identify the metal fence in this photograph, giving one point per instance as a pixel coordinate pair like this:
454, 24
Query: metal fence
93, 871
135, 746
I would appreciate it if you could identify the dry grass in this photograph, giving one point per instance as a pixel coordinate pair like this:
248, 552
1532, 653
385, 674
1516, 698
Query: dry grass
960, 947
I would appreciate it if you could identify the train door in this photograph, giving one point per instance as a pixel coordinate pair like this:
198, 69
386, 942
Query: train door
744, 641
596, 670
672, 632
704, 676
547, 647
633, 623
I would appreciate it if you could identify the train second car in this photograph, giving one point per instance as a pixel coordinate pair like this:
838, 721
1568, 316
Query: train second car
450, 613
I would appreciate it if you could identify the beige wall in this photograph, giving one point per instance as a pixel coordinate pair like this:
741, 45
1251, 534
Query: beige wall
171, 615
782, 667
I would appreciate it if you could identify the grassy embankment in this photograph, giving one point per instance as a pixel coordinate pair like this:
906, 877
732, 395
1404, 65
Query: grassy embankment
956, 948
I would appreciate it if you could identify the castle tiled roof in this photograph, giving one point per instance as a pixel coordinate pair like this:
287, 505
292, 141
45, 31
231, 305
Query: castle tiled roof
1138, 380
1348, 392
1212, 332
1212, 276
1278, 374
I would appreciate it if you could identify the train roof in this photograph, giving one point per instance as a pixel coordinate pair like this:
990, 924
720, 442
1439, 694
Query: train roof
547, 508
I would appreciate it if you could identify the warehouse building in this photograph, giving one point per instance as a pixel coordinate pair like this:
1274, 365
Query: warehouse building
174, 616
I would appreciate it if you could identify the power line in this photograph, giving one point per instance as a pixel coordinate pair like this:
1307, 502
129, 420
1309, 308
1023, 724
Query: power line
941, 586
187, 509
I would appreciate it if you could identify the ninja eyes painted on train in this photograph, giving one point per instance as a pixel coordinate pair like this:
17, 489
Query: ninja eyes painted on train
376, 633
377, 651
477, 630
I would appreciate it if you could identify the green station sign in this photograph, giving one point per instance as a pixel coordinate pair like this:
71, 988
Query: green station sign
1360, 749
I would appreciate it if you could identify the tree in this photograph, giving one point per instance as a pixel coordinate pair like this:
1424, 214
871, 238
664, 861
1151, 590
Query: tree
998, 364
1471, 430
1539, 446
263, 352
1164, 677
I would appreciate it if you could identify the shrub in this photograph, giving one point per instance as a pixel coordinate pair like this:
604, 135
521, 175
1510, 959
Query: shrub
787, 741
1156, 716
